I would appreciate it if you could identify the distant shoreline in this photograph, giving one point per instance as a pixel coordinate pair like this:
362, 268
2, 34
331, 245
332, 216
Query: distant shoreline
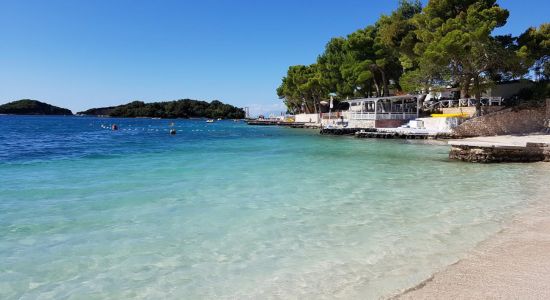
109, 117
182, 108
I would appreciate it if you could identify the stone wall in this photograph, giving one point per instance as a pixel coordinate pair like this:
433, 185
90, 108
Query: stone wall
504, 122
361, 124
440, 124
307, 118
470, 110
389, 123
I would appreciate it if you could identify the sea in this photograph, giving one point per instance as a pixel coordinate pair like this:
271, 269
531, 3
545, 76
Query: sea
229, 211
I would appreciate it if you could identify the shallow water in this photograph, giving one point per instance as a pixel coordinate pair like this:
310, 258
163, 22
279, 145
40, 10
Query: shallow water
227, 210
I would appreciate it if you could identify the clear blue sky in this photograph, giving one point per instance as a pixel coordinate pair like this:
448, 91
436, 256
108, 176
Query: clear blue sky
90, 53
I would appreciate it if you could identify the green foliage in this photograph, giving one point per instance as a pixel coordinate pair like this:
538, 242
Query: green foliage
448, 42
302, 89
454, 41
365, 63
185, 108
330, 63
414, 81
396, 32
32, 107
362, 64
535, 95
535, 49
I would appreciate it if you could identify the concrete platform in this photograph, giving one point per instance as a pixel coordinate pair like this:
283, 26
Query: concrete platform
506, 148
273, 123
503, 141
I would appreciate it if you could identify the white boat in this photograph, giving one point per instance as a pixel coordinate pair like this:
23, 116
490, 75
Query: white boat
210, 121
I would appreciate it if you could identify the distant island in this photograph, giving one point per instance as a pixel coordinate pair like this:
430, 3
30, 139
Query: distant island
184, 108
32, 107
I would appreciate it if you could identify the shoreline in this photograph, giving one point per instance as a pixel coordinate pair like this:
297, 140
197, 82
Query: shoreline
513, 263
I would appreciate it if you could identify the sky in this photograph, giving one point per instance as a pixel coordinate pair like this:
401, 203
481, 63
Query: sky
80, 54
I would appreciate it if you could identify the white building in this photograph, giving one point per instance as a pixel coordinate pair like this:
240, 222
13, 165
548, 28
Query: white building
382, 112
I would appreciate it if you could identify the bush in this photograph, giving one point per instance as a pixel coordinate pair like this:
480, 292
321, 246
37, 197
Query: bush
534, 96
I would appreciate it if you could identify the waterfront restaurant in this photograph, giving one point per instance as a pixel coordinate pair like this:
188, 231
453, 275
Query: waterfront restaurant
382, 112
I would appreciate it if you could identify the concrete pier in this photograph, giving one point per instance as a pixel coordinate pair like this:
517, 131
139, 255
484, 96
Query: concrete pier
340, 131
387, 133
506, 148
402, 134
260, 122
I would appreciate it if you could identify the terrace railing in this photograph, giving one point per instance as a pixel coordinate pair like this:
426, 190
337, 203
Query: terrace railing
382, 116
333, 115
465, 102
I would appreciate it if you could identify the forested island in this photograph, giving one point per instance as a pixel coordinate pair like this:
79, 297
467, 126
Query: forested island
32, 107
184, 108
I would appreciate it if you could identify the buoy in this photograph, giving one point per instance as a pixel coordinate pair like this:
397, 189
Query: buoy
172, 131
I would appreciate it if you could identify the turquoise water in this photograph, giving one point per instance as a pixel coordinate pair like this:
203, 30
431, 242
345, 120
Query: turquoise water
230, 211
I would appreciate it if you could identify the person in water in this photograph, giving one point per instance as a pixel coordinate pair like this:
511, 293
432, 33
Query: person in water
114, 127
172, 131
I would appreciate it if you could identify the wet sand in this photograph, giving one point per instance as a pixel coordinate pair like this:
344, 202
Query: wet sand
513, 264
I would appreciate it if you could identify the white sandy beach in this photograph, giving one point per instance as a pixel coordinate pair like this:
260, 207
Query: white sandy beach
513, 264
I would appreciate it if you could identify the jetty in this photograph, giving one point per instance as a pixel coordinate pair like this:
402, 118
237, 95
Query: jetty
402, 134
339, 131
504, 148
388, 133
273, 122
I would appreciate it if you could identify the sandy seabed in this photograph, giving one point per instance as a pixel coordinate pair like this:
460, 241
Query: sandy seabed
513, 264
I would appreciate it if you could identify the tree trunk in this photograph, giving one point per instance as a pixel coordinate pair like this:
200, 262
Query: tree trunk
465, 87
477, 88
369, 90
384, 83
377, 87
315, 106
478, 96
308, 107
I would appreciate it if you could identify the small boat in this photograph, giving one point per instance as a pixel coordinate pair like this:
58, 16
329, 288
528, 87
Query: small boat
210, 121
219, 119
